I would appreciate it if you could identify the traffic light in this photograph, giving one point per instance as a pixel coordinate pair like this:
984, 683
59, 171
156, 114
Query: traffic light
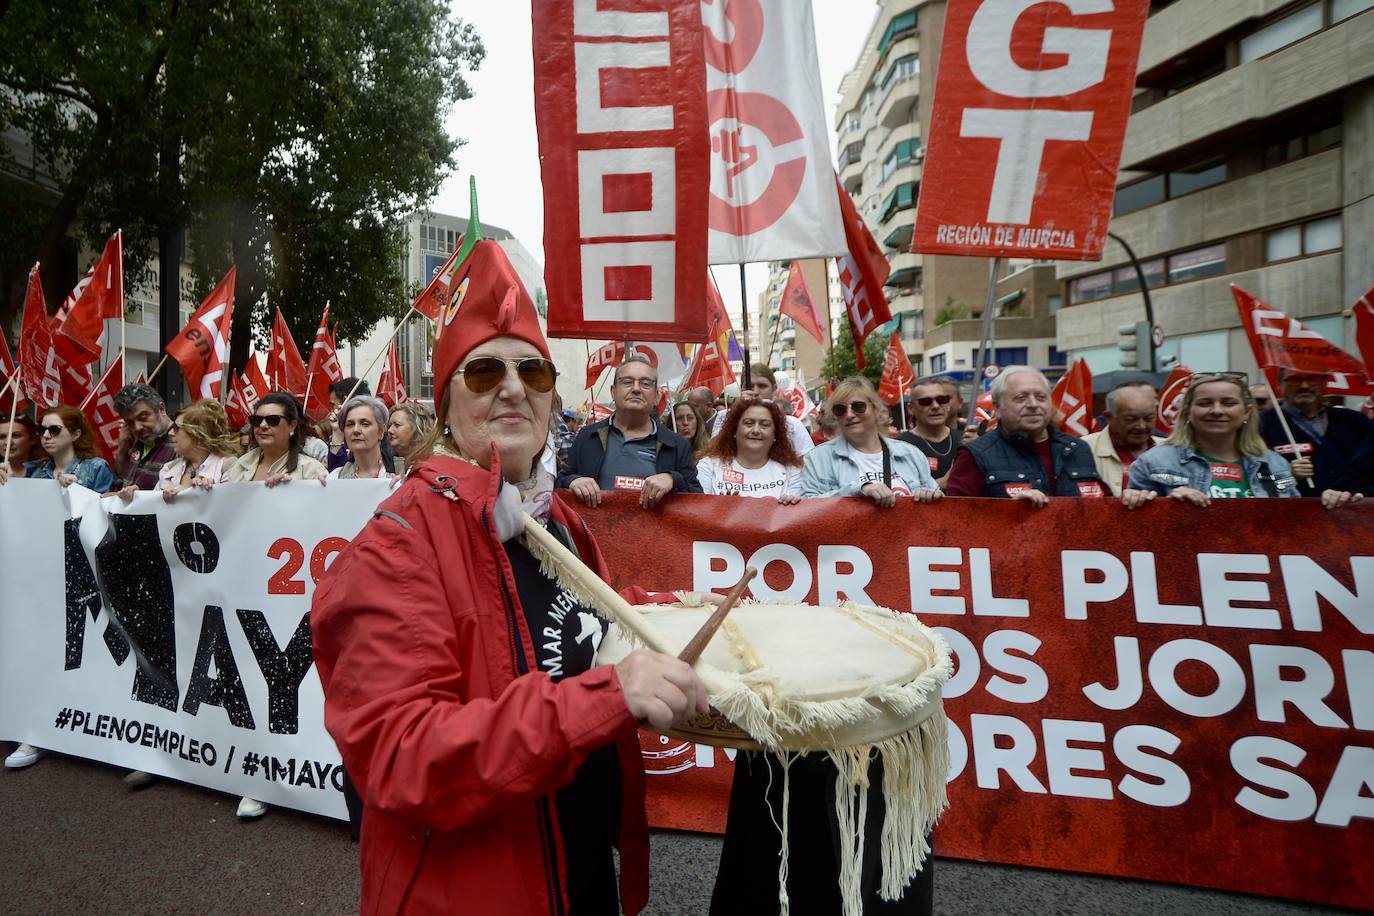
1133, 340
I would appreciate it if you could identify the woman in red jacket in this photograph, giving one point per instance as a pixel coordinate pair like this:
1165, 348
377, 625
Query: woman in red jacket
497, 766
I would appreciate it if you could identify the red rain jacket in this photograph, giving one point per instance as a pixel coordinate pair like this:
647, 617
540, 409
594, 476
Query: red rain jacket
420, 641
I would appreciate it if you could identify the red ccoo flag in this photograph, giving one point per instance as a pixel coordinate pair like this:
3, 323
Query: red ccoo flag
391, 386
862, 274
99, 408
898, 375
247, 388
39, 372
798, 305
609, 355
202, 347
1281, 342
1171, 399
98, 295
323, 370
1073, 400
708, 369
285, 369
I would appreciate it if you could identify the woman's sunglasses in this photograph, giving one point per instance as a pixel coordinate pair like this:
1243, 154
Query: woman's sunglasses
858, 407
53, 430
483, 373
941, 399
273, 420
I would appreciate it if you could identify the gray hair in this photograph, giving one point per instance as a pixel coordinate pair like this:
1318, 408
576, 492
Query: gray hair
999, 384
1138, 383
130, 396
633, 357
365, 400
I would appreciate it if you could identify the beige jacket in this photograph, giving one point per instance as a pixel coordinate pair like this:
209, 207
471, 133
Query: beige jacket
307, 468
1109, 466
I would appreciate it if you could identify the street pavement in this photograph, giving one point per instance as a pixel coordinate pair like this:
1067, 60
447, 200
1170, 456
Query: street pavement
74, 839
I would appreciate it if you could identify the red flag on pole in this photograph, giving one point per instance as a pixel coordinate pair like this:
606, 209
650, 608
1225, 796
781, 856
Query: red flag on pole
862, 274
391, 387
434, 299
609, 355
77, 378
247, 388
98, 295
202, 347
1073, 400
99, 408
285, 368
898, 375
1171, 399
798, 305
323, 370
1281, 342
17, 399
1364, 327
708, 369
40, 374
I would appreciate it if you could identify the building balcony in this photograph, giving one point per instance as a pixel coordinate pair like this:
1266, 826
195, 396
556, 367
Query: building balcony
852, 176
1287, 193
899, 105
903, 174
1311, 68
899, 236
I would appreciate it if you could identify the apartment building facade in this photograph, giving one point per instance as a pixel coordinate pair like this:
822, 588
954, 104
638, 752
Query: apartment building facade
1248, 160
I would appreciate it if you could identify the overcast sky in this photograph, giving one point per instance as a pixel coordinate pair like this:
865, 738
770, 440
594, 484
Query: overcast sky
502, 148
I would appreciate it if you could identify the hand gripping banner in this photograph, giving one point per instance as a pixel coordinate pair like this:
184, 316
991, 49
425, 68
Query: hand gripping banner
621, 112
1029, 117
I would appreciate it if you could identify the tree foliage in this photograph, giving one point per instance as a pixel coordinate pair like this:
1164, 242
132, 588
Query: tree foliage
840, 362
291, 139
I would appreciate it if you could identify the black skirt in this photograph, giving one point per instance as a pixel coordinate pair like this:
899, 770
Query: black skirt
747, 882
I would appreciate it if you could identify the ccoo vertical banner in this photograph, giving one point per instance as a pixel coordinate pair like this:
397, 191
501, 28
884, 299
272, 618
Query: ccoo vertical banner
1028, 122
621, 115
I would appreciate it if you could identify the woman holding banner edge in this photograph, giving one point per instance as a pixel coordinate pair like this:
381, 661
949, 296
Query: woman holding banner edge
497, 766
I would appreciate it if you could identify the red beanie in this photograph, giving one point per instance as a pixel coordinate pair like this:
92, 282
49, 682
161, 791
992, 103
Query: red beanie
487, 300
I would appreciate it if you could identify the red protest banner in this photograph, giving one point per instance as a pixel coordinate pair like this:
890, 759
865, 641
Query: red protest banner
1025, 137
620, 104
1124, 680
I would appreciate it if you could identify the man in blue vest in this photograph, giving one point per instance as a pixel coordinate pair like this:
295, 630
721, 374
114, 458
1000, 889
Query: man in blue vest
1025, 457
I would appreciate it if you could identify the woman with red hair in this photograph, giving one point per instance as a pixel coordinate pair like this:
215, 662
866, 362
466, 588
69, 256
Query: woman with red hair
748, 457
70, 452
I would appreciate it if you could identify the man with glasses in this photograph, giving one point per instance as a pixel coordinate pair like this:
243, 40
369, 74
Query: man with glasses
1025, 457
1131, 409
145, 442
934, 402
629, 450
1327, 437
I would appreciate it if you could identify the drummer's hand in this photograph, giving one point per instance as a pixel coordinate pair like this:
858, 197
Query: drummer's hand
660, 690
880, 494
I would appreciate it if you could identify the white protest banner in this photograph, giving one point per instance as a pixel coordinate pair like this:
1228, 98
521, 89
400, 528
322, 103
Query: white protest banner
772, 182
175, 638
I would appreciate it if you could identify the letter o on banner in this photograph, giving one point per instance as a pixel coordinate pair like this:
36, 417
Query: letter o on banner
801, 573
1164, 678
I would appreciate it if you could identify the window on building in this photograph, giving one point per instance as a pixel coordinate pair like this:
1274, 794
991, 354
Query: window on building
1321, 235
1303, 142
1124, 279
1007, 356
1054, 302
1057, 357
1344, 9
902, 197
901, 25
937, 363
1281, 32
904, 153
1282, 244
1198, 263
1090, 288
903, 68
1309, 238
1196, 177
1139, 194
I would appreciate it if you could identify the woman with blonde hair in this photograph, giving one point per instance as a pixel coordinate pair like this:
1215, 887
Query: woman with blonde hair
204, 446
1215, 452
410, 425
861, 461
689, 423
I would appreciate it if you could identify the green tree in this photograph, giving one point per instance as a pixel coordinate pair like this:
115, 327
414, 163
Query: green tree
291, 139
840, 362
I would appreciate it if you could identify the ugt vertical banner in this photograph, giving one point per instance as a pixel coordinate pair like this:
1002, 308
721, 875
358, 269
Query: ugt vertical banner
1030, 114
621, 113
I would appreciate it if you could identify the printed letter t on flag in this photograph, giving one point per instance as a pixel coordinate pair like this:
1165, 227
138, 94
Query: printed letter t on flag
1026, 131
621, 111
202, 347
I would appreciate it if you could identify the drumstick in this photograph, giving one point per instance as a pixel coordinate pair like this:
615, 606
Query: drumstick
697, 644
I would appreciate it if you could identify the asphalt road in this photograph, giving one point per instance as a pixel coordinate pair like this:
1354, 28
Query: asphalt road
74, 839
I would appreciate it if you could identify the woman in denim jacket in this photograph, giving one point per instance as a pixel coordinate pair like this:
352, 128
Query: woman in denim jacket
72, 453
1216, 452
861, 461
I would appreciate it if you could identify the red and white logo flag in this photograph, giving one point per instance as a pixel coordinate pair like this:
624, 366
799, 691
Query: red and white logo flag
98, 295
797, 398
770, 147
39, 371
1171, 399
1073, 400
1364, 327
1027, 127
249, 385
434, 299
603, 358
796, 303
17, 400
323, 370
1281, 342
202, 347
391, 386
621, 111
708, 369
99, 408
863, 270
898, 374
285, 368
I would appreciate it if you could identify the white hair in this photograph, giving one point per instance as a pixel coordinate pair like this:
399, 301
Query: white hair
999, 384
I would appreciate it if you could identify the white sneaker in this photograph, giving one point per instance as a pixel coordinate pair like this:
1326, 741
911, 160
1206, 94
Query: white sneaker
250, 808
137, 779
24, 755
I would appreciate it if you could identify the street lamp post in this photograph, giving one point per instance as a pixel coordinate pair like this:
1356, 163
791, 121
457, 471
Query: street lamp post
1145, 293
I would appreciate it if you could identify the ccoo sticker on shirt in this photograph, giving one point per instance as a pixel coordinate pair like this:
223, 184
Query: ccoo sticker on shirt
634, 484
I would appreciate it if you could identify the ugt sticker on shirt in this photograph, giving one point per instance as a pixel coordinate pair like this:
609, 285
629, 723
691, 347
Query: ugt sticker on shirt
1090, 488
1227, 472
634, 484
1014, 488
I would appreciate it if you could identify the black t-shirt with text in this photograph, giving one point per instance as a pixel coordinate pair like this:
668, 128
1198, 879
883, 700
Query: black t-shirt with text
940, 455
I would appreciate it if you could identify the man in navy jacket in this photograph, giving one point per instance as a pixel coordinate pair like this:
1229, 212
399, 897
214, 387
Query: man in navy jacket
1328, 437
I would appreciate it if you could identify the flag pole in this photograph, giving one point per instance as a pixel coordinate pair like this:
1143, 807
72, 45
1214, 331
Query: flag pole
14, 404
162, 362
370, 366
744, 317
982, 361
1288, 431
96, 387
123, 369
